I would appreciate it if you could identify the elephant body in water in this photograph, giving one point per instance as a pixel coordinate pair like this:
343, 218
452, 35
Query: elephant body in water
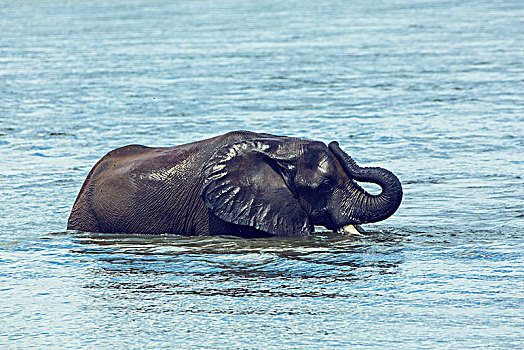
241, 183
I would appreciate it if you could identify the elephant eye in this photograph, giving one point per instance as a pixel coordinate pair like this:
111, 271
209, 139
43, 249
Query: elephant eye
325, 186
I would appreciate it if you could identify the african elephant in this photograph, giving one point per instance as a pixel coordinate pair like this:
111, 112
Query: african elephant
241, 183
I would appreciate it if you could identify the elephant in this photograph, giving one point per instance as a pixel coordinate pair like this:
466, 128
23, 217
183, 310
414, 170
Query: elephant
241, 183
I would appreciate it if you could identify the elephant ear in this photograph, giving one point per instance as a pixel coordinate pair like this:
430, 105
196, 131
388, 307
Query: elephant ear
250, 183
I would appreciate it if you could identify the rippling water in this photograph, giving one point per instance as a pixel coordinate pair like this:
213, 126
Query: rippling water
431, 90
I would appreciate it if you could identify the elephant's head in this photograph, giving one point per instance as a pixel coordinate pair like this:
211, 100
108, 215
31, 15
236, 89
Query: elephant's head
285, 186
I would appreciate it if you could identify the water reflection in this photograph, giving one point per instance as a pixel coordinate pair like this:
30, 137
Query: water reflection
318, 266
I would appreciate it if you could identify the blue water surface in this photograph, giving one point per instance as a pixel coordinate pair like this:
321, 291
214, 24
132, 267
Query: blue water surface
432, 90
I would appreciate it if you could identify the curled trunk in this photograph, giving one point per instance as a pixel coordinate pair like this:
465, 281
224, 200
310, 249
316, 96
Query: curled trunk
364, 207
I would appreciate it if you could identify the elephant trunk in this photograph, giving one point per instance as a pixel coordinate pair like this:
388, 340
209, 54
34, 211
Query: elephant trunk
364, 207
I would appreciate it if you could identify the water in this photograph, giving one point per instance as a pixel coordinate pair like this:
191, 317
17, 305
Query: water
430, 90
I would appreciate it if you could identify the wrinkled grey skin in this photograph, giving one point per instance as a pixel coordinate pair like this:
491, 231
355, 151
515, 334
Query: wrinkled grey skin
240, 183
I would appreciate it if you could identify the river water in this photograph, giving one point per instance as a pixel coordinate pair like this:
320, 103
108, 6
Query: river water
432, 90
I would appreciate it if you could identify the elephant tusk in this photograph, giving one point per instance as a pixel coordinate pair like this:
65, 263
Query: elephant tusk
353, 230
